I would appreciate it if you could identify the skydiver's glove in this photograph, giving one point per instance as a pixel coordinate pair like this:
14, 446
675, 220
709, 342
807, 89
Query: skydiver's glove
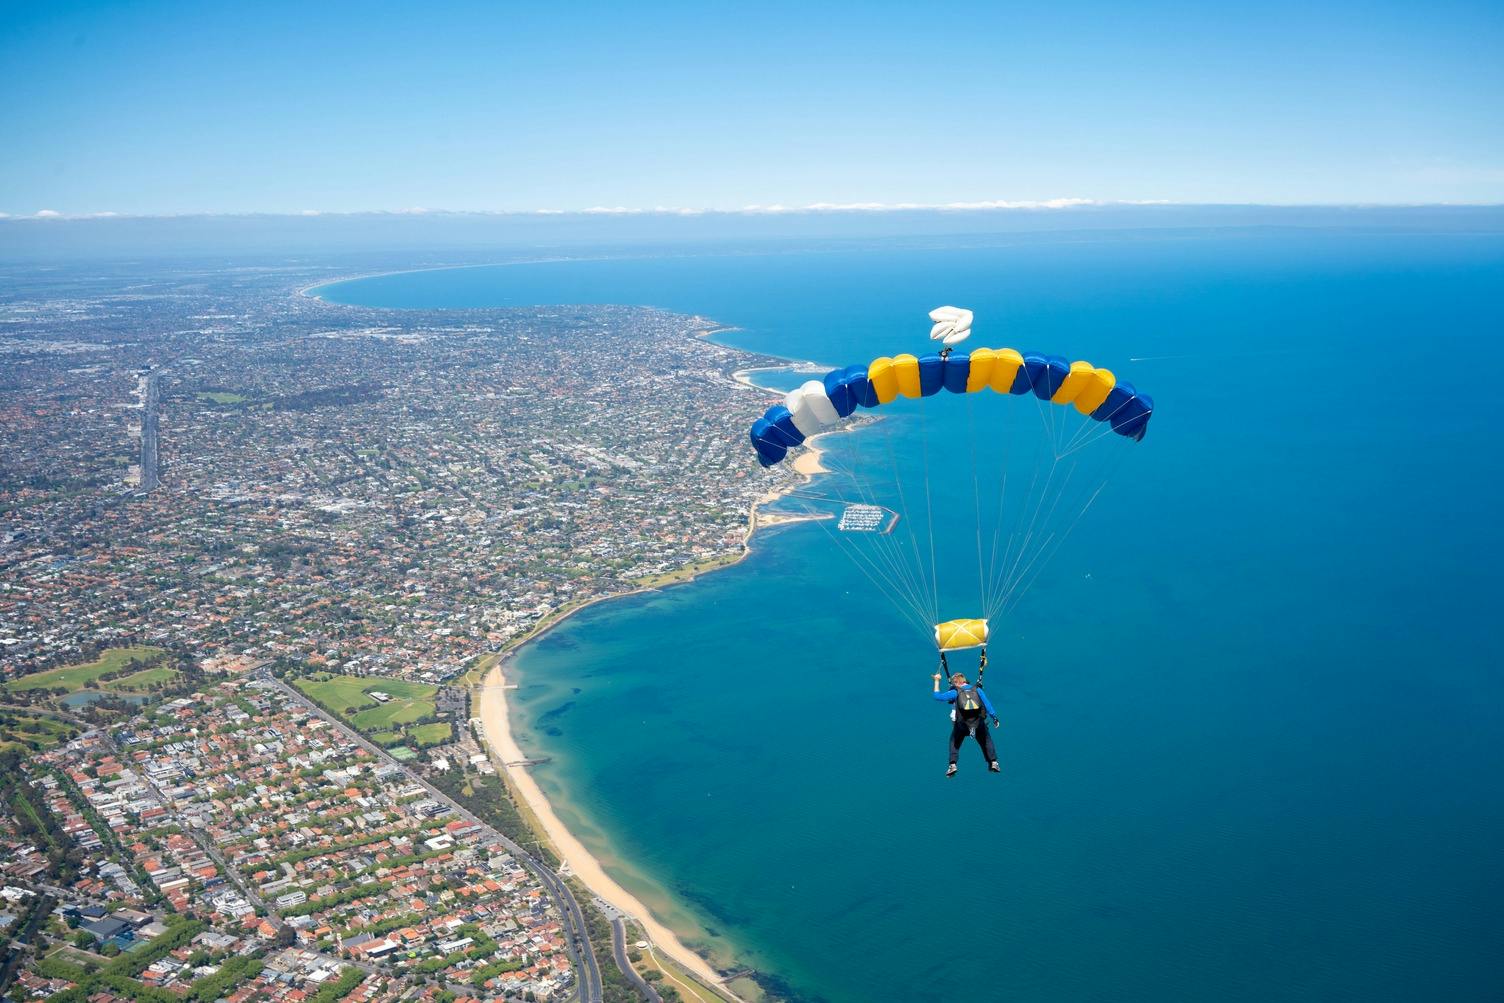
994, 722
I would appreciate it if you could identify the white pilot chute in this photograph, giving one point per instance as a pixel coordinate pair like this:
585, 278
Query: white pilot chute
952, 325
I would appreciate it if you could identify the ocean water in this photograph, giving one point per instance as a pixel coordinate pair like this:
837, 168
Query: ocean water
1252, 708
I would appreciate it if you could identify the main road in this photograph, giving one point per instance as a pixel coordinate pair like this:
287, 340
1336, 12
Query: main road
578, 942
149, 436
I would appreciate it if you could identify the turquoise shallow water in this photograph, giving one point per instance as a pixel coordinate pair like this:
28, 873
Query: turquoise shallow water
1252, 710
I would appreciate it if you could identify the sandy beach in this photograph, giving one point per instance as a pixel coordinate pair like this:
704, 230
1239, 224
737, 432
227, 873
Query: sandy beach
492, 706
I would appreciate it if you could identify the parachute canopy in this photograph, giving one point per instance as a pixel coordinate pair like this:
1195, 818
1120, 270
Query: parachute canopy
819, 405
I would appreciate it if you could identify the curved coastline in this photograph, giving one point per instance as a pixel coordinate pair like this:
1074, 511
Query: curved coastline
494, 710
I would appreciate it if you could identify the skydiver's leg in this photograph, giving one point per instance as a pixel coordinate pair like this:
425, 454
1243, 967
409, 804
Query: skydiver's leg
984, 739
957, 736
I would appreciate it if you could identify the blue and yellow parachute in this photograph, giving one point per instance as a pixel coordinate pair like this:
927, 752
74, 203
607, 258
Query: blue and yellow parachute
1045, 503
819, 405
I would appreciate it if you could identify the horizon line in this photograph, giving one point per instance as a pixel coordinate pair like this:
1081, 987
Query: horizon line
773, 209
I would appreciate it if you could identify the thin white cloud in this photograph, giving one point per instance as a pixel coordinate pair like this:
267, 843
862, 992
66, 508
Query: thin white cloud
49, 214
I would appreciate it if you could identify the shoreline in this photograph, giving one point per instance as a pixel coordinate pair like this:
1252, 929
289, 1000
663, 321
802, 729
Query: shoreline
490, 704
502, 744
494, 711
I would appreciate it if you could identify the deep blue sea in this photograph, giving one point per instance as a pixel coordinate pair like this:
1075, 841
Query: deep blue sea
1252, 711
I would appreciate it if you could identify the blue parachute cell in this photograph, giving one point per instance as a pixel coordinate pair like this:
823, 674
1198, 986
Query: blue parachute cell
769, 451
957, 370
1023, 380
861, 390
783, 431
931, 374
1048, 377
838, 389
1132, 419
861, 387
1117, 398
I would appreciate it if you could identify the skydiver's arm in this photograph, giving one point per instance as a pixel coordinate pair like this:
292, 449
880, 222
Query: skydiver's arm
949, 696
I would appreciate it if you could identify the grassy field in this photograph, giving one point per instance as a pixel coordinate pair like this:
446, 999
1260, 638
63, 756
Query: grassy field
221, 397
431, 734
688, 572
350, 698
137, 682
24, 730
73, 677
477, 669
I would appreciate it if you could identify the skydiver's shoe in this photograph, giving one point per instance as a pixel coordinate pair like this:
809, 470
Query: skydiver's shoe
950, 770
994, 767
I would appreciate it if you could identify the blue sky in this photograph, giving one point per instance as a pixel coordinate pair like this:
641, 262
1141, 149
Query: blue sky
263, 107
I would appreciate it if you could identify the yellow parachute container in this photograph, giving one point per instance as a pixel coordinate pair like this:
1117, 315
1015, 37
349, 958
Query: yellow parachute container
958, 635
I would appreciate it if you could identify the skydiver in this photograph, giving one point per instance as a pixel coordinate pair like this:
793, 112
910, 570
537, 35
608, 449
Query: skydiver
972, 708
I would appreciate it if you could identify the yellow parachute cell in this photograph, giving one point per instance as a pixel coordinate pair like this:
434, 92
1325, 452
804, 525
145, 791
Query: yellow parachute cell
958, 635
883, 379
1095, 390
906, 368
1005, 365
980, 374
1075, 381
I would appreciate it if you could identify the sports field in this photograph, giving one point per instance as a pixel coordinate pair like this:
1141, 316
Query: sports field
74, 677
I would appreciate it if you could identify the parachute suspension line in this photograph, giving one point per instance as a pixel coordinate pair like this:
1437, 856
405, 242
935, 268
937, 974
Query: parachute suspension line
1091, 432
899, 590
1019, 546
903, 500
1014, 575
908, 569
929, 512
889, 574
1026, 585
976, 495
1018, 537
900, 571
904, 604
1024, 580
997, 534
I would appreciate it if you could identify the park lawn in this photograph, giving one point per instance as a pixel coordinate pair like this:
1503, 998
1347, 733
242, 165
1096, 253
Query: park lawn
385, 738
137, 682
221, 397
30, 731
394, 711
73, 677
344, 694
426, 735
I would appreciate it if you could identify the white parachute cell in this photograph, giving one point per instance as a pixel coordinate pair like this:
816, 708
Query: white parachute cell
811, 409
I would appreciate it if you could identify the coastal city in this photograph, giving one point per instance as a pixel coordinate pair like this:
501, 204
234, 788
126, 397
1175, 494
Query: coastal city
257, 552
